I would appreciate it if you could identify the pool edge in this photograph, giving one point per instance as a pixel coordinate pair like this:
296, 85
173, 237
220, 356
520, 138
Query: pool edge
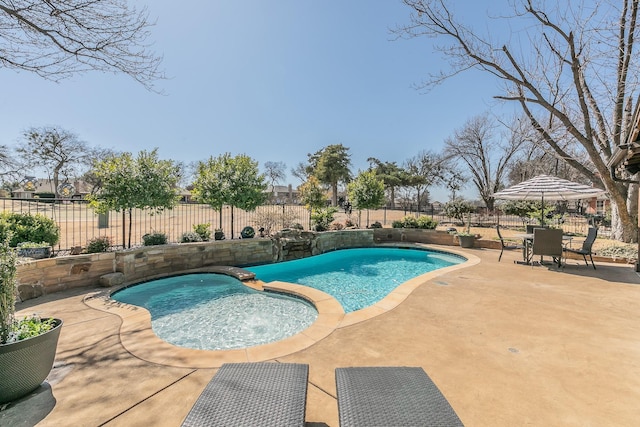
138, 338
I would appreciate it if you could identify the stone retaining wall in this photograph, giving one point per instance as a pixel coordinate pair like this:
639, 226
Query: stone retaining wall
40, 277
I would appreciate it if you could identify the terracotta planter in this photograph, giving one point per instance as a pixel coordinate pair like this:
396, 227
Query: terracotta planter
25, 364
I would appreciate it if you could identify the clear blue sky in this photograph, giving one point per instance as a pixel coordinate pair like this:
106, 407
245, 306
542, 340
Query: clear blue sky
274, 80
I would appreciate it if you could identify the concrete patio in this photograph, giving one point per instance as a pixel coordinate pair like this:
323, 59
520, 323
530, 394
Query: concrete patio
507, 344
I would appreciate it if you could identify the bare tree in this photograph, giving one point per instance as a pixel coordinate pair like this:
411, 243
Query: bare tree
302, 172
485, 155
9, 168
59, 151
423, 170
570, 67
275, 173
58, 38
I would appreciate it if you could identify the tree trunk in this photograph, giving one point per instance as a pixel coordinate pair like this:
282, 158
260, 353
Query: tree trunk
232, 221
334, 194
130, 226
124, 235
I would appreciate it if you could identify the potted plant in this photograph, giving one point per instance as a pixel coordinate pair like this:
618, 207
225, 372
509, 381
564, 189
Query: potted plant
466, 239
218, 234
248, 232
27, 346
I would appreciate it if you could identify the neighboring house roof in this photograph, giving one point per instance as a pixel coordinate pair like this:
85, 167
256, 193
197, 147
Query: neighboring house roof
42, 185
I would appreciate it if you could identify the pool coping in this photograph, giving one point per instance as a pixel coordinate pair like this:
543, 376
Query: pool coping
138, 338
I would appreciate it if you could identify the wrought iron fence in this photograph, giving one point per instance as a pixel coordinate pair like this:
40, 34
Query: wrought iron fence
79, 224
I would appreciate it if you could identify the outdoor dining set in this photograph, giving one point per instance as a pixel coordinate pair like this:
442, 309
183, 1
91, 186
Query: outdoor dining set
551, 242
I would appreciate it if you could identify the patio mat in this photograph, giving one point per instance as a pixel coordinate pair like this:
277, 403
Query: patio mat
253, 394
391, 396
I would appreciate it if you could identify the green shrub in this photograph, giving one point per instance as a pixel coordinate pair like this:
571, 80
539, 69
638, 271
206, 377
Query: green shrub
427, 223
98, 244
376, 225
323, 217
28, 228
203, 230
424, 222
190, 236
153, 239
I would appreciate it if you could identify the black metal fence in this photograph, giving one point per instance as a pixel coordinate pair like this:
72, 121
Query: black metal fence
79, 224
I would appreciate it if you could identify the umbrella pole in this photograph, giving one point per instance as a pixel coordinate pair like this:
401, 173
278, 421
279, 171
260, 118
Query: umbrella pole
542, 211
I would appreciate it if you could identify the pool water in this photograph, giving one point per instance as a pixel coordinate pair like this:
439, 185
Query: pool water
216, 312
357, 278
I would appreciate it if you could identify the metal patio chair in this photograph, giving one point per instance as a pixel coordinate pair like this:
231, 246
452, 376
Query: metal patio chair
586, 246
548, 241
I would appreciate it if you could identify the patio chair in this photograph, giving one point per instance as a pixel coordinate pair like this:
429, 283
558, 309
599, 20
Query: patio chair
391, 396
253, 394
506, 243
548, 241
586, 246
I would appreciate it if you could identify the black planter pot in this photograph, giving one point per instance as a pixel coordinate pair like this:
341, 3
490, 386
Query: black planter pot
25, 364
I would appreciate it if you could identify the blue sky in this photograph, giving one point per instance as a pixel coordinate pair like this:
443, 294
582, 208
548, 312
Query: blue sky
274, 80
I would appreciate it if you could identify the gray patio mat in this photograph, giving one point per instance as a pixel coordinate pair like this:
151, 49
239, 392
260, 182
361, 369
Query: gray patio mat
391, 396
253, 394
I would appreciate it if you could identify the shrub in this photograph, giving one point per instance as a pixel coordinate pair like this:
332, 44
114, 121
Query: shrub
376, 225
424, 222
203, 230
190, 236
349, 223
98, 244
336, 226
153, 239
427, 223
28, 228
323, 217
406, 222
297, 226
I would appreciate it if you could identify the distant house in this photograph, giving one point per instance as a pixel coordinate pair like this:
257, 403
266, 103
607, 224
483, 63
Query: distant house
32, 188
283, 194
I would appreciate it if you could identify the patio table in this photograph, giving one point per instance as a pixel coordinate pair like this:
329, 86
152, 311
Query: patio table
527, 242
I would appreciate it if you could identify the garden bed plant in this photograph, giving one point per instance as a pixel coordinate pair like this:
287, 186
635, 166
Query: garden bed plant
28, 345
12, 329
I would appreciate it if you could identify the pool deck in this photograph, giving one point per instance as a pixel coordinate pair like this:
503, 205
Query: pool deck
506, 344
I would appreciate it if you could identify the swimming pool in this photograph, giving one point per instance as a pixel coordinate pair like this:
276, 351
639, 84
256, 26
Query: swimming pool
357, 278
211, 311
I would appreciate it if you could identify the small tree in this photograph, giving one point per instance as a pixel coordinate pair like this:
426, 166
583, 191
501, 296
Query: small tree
234, 181
145, 182
366, 191
331, 165
312, 194
457, 209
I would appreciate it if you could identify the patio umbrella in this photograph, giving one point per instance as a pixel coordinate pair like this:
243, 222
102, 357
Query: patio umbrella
544, 187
